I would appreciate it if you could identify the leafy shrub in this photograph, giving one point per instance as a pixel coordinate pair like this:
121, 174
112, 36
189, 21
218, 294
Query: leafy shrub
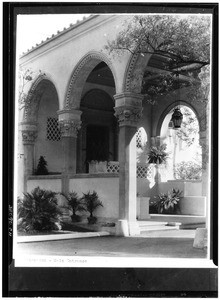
75, 204
38, 211
168, 202
92, 202
188, 170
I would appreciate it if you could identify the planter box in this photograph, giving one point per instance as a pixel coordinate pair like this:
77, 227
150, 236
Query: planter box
98, 167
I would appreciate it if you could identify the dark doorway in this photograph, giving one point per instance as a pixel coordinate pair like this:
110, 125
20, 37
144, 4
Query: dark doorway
97, 143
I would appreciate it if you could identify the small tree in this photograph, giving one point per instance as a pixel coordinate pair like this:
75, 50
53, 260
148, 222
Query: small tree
42, 167
38, 211
92, 202
75, 204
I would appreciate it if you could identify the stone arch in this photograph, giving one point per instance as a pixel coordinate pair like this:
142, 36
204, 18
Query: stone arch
169, 108
79, 76
34, 96
135, 71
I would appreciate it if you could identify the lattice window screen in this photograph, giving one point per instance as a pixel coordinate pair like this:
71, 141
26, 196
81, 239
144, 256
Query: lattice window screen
139, 139
53, 130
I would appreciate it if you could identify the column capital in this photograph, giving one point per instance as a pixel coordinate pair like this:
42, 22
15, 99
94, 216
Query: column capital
69, 128
128, 108
70, 122
29, 132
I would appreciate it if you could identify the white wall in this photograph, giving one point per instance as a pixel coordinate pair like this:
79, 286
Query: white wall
49, 184
107, 190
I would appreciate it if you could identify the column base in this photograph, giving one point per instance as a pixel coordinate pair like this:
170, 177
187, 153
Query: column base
200, 240
126, 228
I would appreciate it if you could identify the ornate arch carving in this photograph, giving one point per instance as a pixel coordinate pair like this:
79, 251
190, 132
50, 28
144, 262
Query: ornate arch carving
87, 63
135, 72
34, 95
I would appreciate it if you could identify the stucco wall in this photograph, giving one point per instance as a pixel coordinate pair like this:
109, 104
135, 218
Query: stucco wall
53, 184
52, 150
107, 190
68, 49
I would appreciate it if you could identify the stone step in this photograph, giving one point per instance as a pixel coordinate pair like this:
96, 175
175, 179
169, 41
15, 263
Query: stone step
183, 219
192, 225
158, 228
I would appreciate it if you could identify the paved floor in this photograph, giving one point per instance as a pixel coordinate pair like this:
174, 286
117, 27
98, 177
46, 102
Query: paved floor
176, 244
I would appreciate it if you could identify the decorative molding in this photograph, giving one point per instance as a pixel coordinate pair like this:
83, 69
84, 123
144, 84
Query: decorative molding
128, 116
129, 72
29, 137
31, 94
81, 64
69, 128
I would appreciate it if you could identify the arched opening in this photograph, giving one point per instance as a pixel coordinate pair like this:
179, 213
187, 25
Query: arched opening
185, 154
48, 141
97, 138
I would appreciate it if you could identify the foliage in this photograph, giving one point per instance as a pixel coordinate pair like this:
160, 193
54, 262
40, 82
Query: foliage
92, 202
189, 127
188, 170
38, 211
42, 167
168, 202
75, 204
180, 40
157, 154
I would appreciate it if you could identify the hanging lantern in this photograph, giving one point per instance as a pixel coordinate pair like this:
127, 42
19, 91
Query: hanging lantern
177, 118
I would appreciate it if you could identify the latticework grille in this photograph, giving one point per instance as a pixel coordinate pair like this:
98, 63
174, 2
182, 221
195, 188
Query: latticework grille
53, 130
139, 139
113, 167
142, 171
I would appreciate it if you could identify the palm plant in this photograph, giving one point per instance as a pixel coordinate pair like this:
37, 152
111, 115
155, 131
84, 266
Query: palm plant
75, 204
157, 154
169, 202
92, 202
38, 211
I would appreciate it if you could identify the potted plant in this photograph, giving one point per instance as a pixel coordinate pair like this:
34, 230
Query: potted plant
75, 204
92, 202
42, 167
168, 203
157, 155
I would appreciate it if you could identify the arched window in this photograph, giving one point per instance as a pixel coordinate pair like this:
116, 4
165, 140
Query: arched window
185, 160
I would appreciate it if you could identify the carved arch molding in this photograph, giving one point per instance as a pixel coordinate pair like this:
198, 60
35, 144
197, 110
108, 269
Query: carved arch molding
79, 76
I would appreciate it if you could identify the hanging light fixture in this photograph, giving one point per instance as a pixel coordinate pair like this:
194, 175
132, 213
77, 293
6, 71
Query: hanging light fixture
177, 116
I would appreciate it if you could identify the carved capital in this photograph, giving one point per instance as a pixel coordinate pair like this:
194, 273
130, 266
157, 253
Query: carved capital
69, 128
29, 136
128, 116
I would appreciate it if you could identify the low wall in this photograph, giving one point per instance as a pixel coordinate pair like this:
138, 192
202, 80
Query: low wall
193, 205
48, 182
188, 187
107, 188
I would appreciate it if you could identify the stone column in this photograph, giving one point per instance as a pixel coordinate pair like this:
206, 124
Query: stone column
203, 141
69, 121
29, 135
128, 110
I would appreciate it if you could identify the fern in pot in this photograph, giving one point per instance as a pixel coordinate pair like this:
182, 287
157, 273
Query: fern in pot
168, 203
158, 155
92, 202
75, 204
